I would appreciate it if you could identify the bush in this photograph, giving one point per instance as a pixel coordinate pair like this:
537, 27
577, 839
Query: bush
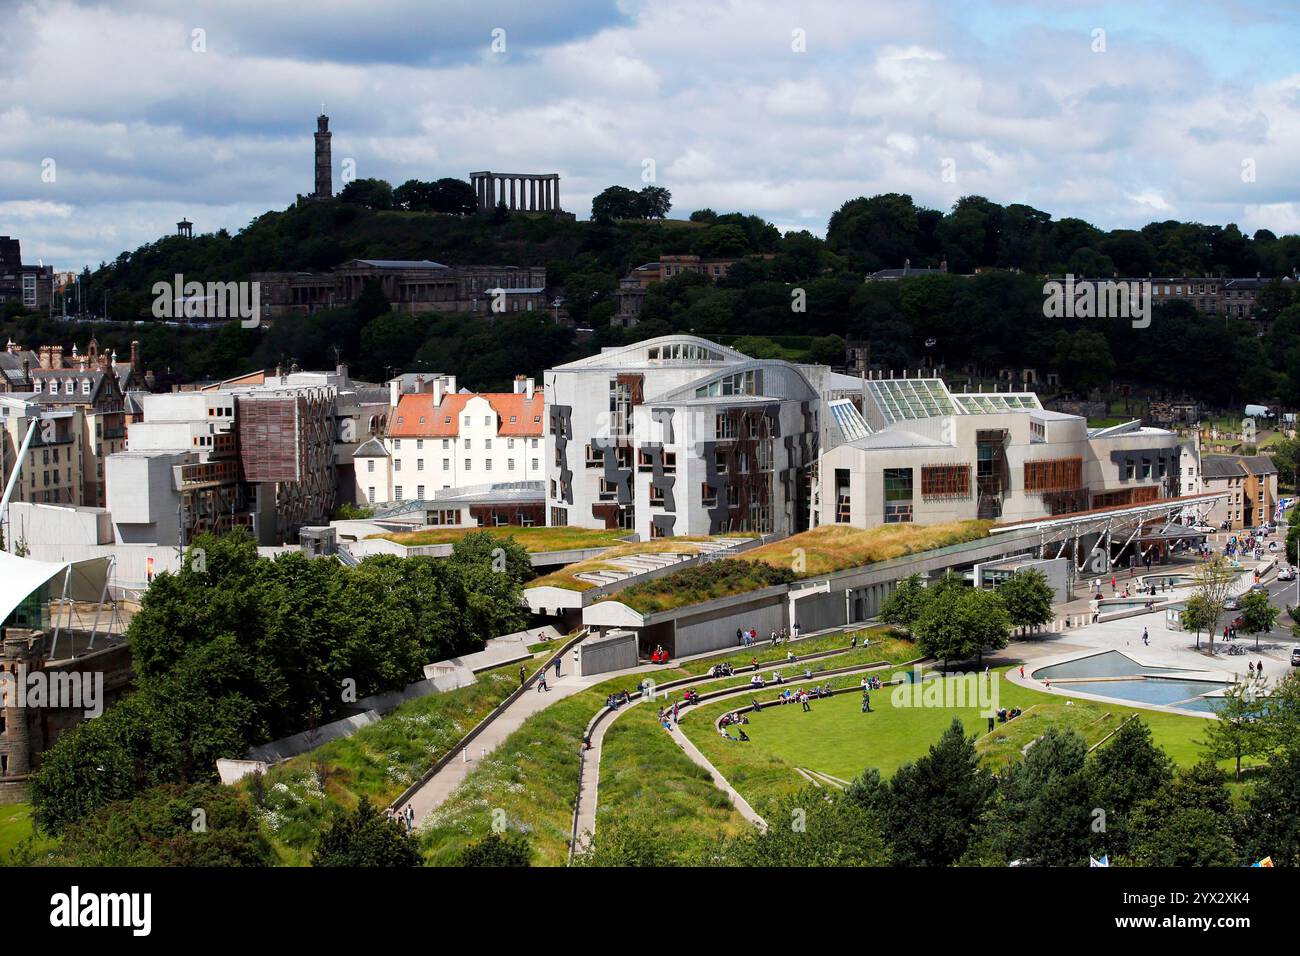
364, 837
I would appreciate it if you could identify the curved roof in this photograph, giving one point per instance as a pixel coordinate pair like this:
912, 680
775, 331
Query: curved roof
650, 353
19, 577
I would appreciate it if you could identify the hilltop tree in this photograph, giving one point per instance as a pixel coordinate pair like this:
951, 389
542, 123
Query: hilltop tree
616, 202
1214, 580
958, 623
1044, 814
371, 193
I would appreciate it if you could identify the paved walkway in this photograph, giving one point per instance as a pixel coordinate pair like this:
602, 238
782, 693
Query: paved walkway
441, 785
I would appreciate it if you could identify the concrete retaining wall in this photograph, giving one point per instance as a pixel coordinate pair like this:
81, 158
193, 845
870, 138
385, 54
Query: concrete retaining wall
614, 651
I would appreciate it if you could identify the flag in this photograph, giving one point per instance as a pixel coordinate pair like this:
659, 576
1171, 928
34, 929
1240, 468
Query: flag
1267, 861
1105, 861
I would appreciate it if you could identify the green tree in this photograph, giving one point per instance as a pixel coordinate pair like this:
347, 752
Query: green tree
364, 837
1128, 769
498, 849
198, 825
1028, 598
1199, 615
616, 202
1272, 824
1241, 729
371, 193
903, 605
959, 623
814, 828
1191, 821
1044, 815
1257, 614
655, 201
936, 802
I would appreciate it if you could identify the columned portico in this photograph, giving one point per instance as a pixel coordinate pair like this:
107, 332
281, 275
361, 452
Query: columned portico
525, 192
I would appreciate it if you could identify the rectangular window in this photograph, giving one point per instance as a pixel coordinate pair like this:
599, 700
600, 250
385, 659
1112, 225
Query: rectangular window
446, 464
419, 492
945, 481
708, 495
370, 464
1054, 474
898, 495
397, 493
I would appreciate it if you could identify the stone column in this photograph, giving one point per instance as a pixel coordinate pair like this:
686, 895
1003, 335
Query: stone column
555, 184
533, 183
514, 192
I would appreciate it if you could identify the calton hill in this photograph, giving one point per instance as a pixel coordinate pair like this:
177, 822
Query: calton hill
982, 314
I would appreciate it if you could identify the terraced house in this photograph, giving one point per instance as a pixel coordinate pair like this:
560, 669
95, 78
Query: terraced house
440, 439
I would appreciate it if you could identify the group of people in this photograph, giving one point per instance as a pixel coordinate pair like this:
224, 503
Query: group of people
748, 637
659, 655
617, 700
721, 670
404, 817
734, 719
1004, 714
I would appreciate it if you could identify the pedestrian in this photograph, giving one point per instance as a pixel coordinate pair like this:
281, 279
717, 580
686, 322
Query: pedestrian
740, 637
557, 668
675, 720
523, 675
541, 682
990, 725
866, 701
1146, 639
575, 660
803, 698
1022, 670
1250, 667
410, 817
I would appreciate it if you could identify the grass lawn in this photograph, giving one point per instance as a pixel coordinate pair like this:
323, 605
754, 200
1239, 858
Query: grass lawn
379, 761
533, 776
838, 739
532, 540
15, 826
834, 547
644, 775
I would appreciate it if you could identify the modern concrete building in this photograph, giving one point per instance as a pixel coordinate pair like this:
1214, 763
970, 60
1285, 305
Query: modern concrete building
921, 453
680, 436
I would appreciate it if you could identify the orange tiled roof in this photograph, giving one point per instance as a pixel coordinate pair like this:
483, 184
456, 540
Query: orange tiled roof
516, 416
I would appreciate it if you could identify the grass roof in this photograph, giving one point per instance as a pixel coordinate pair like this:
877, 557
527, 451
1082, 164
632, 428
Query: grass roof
533, 540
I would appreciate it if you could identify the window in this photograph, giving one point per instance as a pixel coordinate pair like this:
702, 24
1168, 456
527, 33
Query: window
419, 492
370, 494
446, 464
656, 495
397, 442
467, 468
487, 443
898, 495
945, 481
446, 443
467, 420
419, 442
708, 495
487, 464
468, 444
510, 464
534, 464
397, 493
397, 464
1054, 474
670, 463
720, 462
370, 465
510, 444
487, 420
608, 490
726, 427
419, 464
535, 440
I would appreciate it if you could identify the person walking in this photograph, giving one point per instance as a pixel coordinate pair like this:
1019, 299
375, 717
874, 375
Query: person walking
803, 698
541, 682
557, 668
523, 675
1146, 638
866, 701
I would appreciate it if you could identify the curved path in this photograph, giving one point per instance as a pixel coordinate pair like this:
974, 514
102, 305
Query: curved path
588, 796
433, 792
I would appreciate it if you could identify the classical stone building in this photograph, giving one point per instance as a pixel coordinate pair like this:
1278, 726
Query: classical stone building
523, 192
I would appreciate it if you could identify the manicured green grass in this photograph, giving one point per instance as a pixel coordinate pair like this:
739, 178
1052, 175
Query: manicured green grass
533, 540
378, 762
838, 739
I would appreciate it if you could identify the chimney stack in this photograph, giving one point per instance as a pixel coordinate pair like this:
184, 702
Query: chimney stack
135, 358
530, 388
437, 391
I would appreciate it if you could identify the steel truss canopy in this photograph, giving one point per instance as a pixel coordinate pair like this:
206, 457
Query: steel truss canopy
1144, 523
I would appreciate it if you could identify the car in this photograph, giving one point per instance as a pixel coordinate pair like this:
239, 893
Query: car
1232, 604
1295, 657
1259, 589
1286, 574
1202, 529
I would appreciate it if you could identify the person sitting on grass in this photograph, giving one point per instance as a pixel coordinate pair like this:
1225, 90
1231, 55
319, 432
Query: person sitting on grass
743, 736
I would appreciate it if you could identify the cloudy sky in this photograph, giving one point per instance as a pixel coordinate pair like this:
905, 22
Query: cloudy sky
118, 119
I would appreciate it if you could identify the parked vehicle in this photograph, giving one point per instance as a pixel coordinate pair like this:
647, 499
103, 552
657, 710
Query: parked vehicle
1286, 574
1232, 604
1295, 657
